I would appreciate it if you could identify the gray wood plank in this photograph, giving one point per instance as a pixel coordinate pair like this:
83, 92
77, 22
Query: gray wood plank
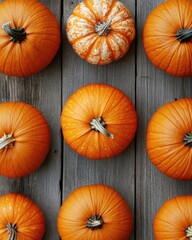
153, 89
118, 172
43, 90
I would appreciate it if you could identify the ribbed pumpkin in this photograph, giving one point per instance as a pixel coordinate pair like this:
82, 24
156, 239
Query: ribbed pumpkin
169, 139
98, 121
29, 37
24, 139
174, 219
21, 218
100, 31
167, 37
95, 212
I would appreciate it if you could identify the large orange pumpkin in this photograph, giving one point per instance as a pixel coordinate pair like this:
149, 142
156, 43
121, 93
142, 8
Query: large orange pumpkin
29, 37
98, 121
21, 218
167, 37
174, 219
95, 212
100, 31
169, 139
24, 139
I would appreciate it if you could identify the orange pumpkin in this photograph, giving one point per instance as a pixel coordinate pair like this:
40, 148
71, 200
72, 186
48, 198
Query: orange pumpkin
24, 139
29, 37
100, 31
95, 212
98, 121
169, 139
174, 219
21, 218
167, 37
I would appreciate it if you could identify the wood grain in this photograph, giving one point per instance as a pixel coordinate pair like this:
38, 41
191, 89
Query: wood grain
131, 173
153, 89
43, 90
118, 172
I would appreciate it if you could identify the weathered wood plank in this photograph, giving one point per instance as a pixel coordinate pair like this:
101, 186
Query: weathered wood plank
43, 90
118, 172
153, 89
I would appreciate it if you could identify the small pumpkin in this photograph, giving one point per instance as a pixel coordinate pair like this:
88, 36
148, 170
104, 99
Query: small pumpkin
29, 37
24, 139
100, 31
98, 121
169, 139
174, 219
167, 37
21, 218
94, 212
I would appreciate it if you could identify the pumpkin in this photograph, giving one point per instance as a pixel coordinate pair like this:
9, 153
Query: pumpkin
100, 31
169, 139
98, 121
94, 212
21, 218
174, 219
29, 37
167, 37
24, 139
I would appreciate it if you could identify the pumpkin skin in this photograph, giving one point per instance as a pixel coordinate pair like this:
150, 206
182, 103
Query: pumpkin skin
21, 218
118, 117
83, 206
27, 54
167, 37
169, 139
28, 144
174, 219
100, 31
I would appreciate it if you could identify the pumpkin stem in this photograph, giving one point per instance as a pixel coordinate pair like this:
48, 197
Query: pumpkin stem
188, 139
6, 141
98, 124
16, 34
184, 35
189, 232
95, 222
102, 29
12, 230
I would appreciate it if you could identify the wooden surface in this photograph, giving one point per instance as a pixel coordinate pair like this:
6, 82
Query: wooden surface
130, 173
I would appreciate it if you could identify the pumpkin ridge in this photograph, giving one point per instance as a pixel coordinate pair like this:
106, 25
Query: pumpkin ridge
179, 127
105, 111
111, 8
78, 138
123, 34
91, 9
83, 17
118, 13
40, 12
188, 117
177, 51
170, 12
165, 147
109, 47
163, 125
105, 108
115, 40
166, 158
180, 117
179, 207
92, 46
84, 36
180, 15
188, 164
11, 47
